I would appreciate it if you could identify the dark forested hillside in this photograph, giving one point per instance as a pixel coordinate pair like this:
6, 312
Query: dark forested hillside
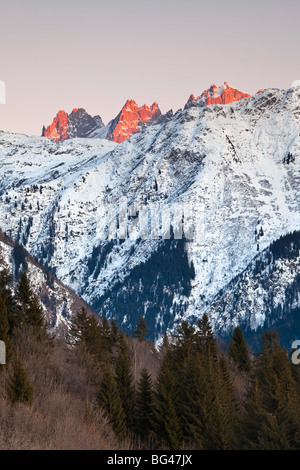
102, 389
265, 294
156, 289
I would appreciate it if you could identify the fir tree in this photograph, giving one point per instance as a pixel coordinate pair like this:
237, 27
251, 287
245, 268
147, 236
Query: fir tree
144, 405
165, 345
238, 350
222, 417
109, 399
186, 342
105, 331
31, 310
4, 329
194, 401
141, 329
272, 418
166, 422
259, 427
13, 312
19, 388
85, 332
114, 332
124, 379
205, 338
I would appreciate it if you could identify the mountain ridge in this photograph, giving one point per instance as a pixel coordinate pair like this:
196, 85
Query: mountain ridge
132, 118
236, 167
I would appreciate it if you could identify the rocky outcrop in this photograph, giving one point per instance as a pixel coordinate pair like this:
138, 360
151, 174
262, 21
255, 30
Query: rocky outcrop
81, 124
131, 119
76, 124
214, 95
58, 129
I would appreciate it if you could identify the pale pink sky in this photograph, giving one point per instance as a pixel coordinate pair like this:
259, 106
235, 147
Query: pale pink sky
95, 54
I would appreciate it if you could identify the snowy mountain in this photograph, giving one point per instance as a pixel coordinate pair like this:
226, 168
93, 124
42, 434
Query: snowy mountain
229, 173
217, 95
266, 293
76, 124
58, 301
79, 123
131, 119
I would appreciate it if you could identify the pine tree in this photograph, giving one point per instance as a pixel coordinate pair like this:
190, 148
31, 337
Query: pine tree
205, 338
114, 332
31, 310
238, 350
273, 408
165, 345
78, 326
109, 399
13, 312
222, 415
259, 427
93, 339
19, 388
124, 379
166, 422
106, 335
4, 329
85, 332
144, 405
186, 342
141, 329
279, 389
194, 401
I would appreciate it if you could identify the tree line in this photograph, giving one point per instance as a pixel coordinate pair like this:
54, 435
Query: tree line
188, 393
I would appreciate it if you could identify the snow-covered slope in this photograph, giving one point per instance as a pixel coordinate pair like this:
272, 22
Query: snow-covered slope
58, 301
236, 167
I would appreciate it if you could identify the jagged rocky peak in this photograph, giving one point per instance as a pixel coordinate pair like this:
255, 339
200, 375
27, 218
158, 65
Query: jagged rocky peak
76, 124
58, 129
132, 119
224, 94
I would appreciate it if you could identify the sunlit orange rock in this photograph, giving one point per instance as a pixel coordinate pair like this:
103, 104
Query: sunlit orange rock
214, 95
58, 129
132, 119
76, 124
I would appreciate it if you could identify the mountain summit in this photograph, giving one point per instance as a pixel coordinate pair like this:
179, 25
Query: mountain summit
76, 124
79, 123
217, 95
132, 118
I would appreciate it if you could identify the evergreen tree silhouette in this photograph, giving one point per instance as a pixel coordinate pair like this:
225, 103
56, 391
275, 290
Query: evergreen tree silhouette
144, 405
166, 421
19, 388
124, 379
4, 329
109, 399
141, 329
31, 312
238, 350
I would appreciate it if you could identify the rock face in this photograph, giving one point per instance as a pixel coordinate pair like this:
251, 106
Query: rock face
58, 129
131, 119
81, 124
76, 124
214, 95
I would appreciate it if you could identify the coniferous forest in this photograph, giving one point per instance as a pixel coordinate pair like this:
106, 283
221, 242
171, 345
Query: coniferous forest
102, 389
